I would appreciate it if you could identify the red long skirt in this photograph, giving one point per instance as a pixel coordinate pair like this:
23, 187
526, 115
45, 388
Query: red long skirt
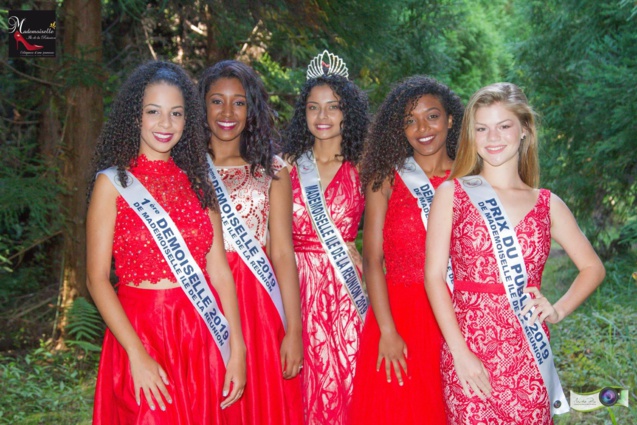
175, 336
268, 398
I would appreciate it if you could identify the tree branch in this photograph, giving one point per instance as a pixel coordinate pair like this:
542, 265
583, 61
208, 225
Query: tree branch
29, 77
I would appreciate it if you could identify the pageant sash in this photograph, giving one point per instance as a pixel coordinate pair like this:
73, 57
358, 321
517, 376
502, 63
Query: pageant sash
328, 234
421, 188
245, 243
177, 256
508, 254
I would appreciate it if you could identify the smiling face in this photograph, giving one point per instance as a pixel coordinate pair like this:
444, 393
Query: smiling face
226, 110
498, 134
426, 126
163, 120
323, 114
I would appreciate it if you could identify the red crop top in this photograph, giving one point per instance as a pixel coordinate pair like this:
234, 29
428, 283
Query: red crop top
137, 256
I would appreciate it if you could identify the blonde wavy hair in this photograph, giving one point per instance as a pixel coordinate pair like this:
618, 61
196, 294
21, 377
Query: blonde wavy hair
468, 162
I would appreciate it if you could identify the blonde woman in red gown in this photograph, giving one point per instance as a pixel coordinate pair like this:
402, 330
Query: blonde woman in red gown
241, 129
159, 363
489, 372
398, 368
330, 121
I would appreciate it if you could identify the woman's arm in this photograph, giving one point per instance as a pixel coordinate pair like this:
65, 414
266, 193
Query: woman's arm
566, 232
284, 263
147, 374
391, 347
469, 368
223, 282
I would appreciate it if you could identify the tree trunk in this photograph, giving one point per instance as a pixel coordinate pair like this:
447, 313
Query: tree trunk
83, 122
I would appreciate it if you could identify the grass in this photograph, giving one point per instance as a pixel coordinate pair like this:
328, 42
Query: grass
594, 347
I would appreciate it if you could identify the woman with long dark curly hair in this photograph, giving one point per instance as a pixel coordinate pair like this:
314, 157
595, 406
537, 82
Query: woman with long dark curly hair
240, 129
325, 138
160, 363
409, 152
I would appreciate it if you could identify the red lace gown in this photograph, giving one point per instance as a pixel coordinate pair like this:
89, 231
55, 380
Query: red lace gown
487, 321
268, 398
419, 400
168, 325
331, 325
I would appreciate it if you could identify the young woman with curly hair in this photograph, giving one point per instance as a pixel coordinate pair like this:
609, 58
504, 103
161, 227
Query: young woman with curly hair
398, 372
240, 128
327, 131
160, 363
494, 322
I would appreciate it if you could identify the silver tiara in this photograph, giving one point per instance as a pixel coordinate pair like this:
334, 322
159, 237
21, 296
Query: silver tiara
326, 63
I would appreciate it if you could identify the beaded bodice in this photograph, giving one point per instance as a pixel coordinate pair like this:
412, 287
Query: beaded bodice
250, 194
137, 256
404, 235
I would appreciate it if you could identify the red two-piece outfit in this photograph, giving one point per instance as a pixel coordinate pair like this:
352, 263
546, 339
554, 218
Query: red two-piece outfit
419, 400
168, 325
268, 398
488, 323
331, 325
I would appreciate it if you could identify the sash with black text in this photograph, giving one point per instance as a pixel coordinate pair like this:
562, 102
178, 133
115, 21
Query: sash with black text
421, 188
245, 243
330, 237
508, 254
177, 255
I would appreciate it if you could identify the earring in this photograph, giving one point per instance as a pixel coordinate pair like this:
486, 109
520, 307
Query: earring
523, 138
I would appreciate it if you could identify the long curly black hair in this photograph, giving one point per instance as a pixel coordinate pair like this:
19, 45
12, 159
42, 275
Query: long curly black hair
354, 104
259, 139
387, 146
118, 144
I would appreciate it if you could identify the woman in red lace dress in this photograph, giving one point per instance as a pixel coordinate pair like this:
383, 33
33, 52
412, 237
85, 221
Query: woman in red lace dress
398, 368
330, 121
160, 363
240, 125
489, 372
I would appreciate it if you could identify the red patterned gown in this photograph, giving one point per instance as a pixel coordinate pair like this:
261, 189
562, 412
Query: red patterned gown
487, 321
331, 325
419, 400
167, 323
268, 398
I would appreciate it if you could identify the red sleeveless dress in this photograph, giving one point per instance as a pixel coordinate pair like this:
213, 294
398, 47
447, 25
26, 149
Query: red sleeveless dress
168, 325
419, 400
331, 325
267, 398
487, 322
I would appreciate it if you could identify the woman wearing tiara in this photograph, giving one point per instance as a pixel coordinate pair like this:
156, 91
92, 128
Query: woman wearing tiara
323, 144
160, 362
240, 127
411, 144
496, 225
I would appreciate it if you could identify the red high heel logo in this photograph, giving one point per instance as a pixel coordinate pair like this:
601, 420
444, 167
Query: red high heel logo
16, 29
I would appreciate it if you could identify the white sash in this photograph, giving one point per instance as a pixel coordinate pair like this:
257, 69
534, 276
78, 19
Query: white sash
328, 234
245, 243
421, 188
177, 256
508, 254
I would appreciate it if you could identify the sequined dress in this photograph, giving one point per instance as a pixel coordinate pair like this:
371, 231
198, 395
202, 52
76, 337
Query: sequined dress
169, 327
331, 325
487, 321
267, 398
419, 400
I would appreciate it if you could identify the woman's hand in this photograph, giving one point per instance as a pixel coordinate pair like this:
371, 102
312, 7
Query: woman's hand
544, 310
235, 379
150, 378
291, 354
472, 374
393, 351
